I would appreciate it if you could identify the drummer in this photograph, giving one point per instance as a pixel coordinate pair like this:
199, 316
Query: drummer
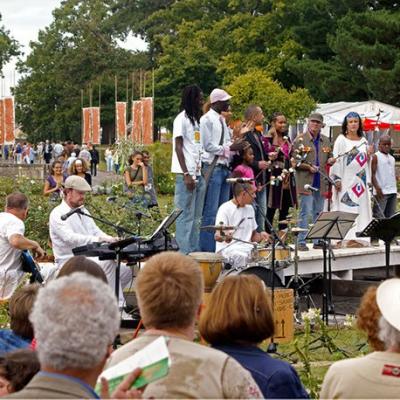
236, 245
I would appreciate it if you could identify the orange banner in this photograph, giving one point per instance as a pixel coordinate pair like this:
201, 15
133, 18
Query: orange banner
1, 121
86, 126
9, 120
91, 125
96, 137
147, 106
120, 119
137, 122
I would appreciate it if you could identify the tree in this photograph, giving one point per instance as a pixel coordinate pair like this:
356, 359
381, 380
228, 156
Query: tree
256, 87
78, 51
8, 46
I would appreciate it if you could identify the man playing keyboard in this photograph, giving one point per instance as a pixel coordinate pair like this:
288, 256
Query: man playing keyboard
78, 230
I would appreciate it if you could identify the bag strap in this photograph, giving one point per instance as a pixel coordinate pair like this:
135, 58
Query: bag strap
210, 170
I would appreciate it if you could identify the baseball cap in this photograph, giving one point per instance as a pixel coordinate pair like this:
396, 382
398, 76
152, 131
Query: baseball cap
316, 117
388, 299
77, 183
219, 95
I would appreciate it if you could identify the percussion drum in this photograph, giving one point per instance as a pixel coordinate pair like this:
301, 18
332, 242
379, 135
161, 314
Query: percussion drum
211, 266
264, 254
263, 273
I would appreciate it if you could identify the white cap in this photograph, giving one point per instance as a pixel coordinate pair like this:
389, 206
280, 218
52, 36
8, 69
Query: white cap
219, 95
388, 299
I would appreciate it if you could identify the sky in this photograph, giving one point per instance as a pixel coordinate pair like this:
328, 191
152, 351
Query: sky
23, 19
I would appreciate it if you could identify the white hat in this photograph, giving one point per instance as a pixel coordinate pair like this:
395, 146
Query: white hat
219, 95
388, 299
78, 183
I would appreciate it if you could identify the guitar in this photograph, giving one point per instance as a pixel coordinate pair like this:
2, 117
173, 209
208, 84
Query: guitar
30, 266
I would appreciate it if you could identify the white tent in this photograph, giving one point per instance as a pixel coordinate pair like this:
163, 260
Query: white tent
334, 113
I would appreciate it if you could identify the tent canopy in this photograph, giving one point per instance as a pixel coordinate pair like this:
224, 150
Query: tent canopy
334, 113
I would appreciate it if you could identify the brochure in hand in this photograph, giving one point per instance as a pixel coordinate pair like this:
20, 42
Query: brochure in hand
154, 360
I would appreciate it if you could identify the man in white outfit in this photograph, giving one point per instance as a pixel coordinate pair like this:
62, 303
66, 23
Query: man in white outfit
78, 230
239, 213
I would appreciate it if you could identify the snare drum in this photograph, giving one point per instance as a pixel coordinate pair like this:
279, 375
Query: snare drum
264, 254
211, 266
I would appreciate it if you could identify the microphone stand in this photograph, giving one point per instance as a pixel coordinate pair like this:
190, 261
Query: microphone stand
117, 246
272, 347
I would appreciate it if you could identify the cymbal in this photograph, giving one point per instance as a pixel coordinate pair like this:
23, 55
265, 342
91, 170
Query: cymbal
297, 229
220, 227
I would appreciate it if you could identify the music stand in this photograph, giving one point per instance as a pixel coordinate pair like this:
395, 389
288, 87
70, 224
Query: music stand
330, 225
385, 229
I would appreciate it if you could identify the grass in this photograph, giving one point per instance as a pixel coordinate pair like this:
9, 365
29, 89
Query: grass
348, 342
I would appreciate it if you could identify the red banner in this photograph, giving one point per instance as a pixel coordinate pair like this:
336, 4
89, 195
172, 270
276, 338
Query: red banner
86, 125
137, 122
120, 119
396, 127
1, 122
147, 105
91, 125
9, 120
370, 124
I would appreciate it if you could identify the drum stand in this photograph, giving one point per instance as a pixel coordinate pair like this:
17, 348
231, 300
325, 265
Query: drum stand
297, 283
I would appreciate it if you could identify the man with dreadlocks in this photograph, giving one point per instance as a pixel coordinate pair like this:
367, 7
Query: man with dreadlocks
186, 165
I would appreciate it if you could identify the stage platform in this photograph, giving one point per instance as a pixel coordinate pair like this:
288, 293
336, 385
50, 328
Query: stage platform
346, 261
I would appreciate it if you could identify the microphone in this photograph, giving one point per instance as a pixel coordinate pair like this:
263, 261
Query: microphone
69, 213
310, 188
240, 180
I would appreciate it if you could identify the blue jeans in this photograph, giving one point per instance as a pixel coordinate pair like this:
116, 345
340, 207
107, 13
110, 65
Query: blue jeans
109, 162
188, 223
311, 206
261, 209
218, 191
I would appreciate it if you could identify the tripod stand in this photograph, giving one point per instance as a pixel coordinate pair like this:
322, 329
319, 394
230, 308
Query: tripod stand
296, 282
330, 225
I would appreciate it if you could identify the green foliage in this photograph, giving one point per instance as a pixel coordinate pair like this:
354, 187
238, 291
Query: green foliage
162, 155
270, 95
78, 51
8, 46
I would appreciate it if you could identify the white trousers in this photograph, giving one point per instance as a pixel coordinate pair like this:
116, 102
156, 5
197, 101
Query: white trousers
125, 277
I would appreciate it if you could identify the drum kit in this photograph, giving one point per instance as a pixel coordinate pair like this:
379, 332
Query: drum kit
215, 267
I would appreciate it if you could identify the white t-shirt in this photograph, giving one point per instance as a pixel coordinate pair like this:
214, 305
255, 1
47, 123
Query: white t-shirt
10, 257
192, 148
241, 217
386, 173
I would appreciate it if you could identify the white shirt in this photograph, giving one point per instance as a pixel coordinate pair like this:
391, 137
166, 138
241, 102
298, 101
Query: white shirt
58, 149
386, 173
10, 257
75, 231
210, 134
85, 154
241, 217
192, 148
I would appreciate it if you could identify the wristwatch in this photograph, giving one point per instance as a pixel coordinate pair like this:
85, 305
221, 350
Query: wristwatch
186, 173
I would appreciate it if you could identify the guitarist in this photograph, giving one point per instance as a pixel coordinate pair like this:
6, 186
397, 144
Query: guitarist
13, 241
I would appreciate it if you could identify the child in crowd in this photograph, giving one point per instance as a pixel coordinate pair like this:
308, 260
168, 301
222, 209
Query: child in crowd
21, 333
242, 164
384, 181
16, 370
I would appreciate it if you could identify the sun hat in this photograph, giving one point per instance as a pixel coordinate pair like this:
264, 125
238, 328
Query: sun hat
78, 183
219, 95
388, 300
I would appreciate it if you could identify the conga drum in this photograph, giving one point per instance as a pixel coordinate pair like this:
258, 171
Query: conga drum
211, 267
